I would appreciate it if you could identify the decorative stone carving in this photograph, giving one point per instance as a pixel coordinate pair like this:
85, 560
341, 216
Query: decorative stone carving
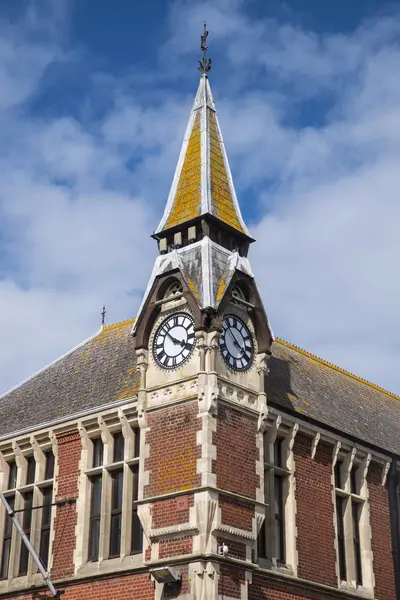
207, 394
385, 471
262, 419
205, 516
314, 444
204, 581
142, 418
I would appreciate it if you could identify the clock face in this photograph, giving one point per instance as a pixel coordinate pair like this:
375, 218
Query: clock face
236, 343
174, 340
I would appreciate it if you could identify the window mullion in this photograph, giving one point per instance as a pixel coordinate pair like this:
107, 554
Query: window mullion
126, 521
270, 543
35, 528
16, 539
105, 516
349, 541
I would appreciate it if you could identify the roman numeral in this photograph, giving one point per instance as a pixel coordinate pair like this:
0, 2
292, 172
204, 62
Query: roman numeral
161, 355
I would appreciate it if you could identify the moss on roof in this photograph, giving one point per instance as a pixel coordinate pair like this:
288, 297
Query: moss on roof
103, 370
98, 372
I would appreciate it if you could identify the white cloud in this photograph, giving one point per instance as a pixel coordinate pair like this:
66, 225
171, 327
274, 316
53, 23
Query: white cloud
79, 197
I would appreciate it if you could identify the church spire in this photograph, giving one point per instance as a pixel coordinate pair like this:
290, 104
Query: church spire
202, 186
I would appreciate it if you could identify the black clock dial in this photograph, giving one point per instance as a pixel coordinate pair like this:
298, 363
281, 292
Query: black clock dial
236, 343
174, 340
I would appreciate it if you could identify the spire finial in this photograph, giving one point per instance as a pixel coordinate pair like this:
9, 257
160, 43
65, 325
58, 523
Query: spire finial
204, 63
103, 316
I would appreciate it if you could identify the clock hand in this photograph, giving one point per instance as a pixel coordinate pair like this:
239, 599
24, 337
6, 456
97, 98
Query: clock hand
173, 339
236, 343
180, 342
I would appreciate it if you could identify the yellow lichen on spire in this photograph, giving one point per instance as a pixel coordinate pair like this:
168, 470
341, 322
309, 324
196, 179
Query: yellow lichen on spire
187, 201
221, 195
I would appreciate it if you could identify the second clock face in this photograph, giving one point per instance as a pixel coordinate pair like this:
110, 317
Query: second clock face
236, 343
174, 340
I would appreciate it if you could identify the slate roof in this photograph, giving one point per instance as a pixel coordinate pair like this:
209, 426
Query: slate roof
98, 372
299, 382
103, 370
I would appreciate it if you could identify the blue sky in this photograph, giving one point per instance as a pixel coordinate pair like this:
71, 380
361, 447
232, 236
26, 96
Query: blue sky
94, 100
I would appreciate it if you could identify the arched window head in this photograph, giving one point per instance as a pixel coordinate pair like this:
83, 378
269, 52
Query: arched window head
174, 289
237, 293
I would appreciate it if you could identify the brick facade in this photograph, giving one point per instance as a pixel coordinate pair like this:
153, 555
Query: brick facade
380, 538
235, 440
173, 451
69, 454
314, 519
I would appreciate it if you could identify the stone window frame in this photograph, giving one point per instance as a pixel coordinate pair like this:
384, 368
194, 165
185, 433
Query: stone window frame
286, 431
105, 426
356, 461
19, 451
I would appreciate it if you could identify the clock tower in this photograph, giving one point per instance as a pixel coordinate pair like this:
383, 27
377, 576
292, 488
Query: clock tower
202, 342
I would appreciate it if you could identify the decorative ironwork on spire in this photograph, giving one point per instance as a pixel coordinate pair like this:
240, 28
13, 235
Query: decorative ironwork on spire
204, 63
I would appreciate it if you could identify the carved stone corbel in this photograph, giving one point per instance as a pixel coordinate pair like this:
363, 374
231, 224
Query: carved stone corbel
205, 517
385, 471
262, 419
207, 394
314, 444
336, 450
292, 436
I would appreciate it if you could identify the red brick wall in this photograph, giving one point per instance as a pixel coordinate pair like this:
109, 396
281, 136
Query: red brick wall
381, 536
262, 588
134, 587
230, 581
176, 547
237, 453
236, 514
173, 450
69, 453
165, 513
314, 518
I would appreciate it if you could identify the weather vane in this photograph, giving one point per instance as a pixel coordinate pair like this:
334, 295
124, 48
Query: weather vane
204, 63
103, 316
